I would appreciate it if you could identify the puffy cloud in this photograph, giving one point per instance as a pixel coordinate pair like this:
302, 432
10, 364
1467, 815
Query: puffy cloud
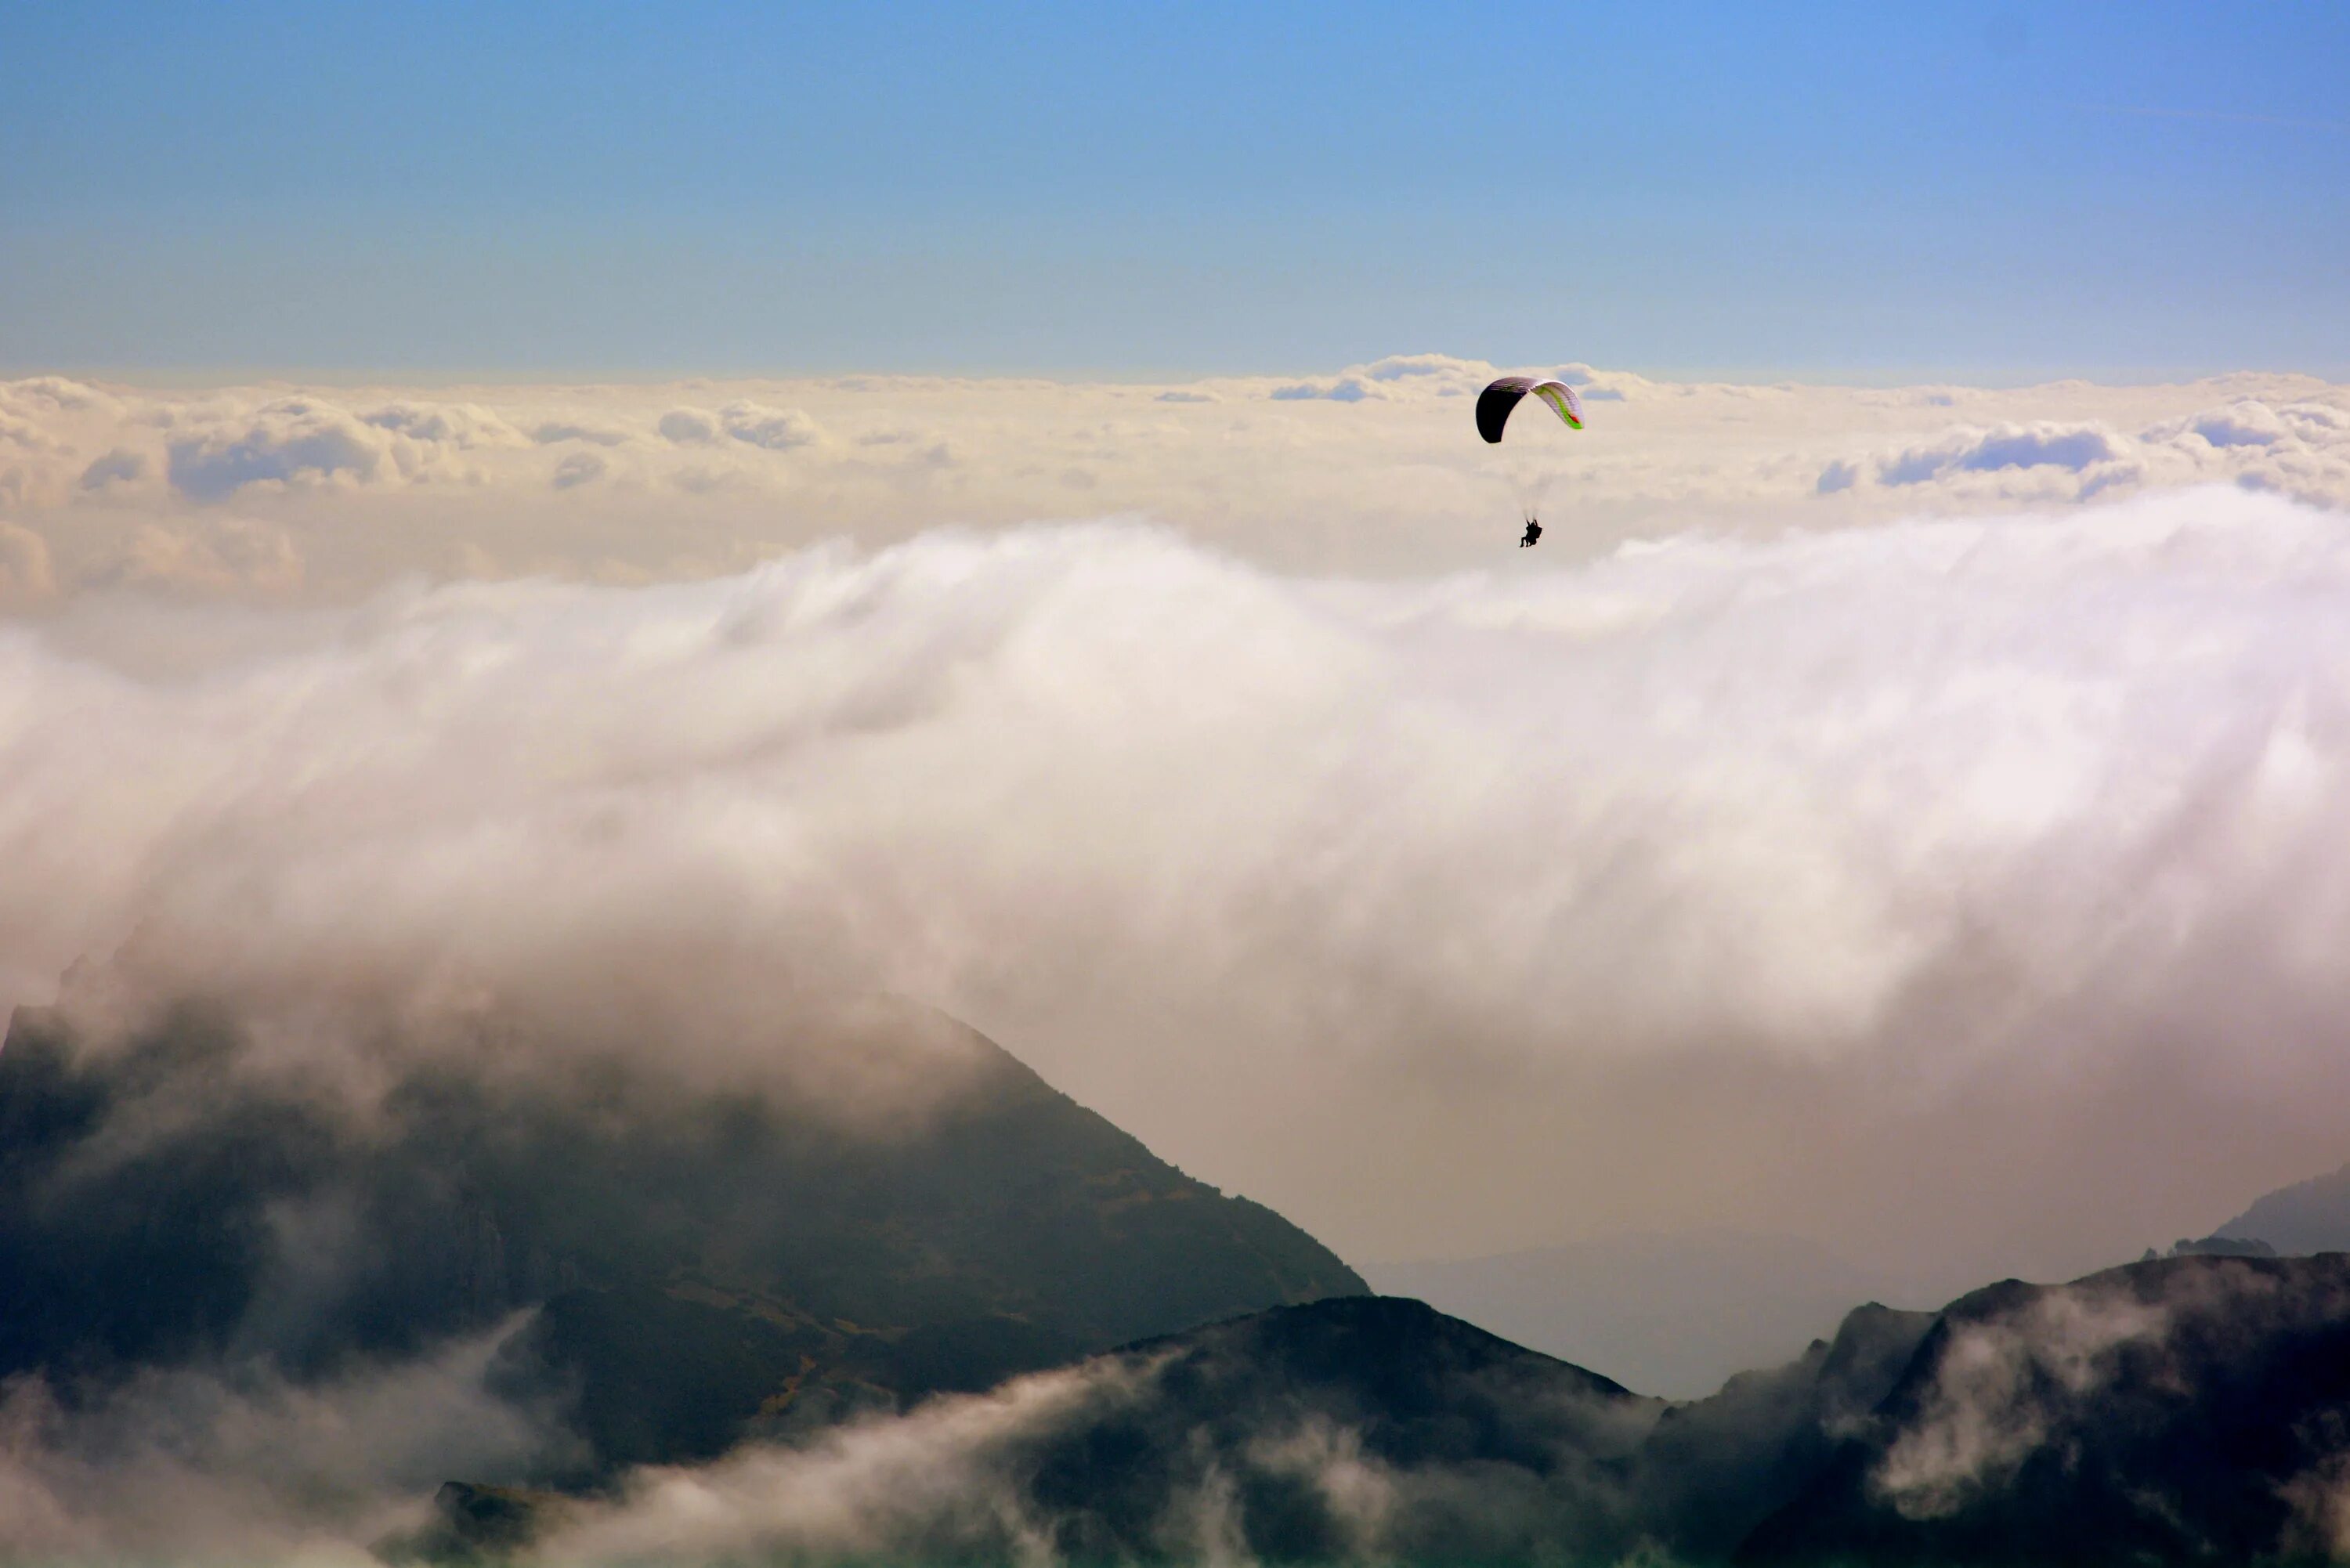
579, 468
211, 555
2074, 447
774, 430
290, 442
119, 466
2244, 423
25, 576
32, 461
1345, 390
688, 427
2319, 424
1593, 387
555, 431
39, 394
1410, 367
460, 425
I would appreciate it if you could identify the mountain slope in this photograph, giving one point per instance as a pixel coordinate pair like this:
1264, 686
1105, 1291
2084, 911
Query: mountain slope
1348, 1429
701, 1262
2193, 1408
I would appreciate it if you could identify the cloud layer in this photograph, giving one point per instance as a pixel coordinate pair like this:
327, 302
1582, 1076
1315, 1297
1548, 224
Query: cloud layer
1976, 859
1372, 469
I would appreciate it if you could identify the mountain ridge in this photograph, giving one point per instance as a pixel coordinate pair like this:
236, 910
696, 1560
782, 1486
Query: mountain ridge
160, 1205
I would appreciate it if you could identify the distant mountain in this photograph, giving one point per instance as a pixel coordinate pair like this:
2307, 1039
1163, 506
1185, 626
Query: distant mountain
1672, 1314
2308, 1217
702, 1265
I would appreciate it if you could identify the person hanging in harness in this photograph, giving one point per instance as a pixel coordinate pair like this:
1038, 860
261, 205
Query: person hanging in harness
1534, 533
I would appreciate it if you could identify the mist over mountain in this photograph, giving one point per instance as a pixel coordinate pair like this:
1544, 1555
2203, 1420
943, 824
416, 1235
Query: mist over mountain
1350, 1429
2186, 1410
683, 1263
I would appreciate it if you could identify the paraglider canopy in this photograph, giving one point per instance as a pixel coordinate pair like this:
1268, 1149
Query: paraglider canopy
1495, 402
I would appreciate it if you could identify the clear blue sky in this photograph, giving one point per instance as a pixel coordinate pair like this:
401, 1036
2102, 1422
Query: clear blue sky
1995, 191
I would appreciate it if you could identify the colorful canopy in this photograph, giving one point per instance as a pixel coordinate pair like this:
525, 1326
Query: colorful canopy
1495, 402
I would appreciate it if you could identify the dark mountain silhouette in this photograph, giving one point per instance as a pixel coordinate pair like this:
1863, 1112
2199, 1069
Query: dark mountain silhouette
2194, 1409
1505, 1449
1715, 1468
1352, 1429
1327, 1432
704, 1272
701, 1263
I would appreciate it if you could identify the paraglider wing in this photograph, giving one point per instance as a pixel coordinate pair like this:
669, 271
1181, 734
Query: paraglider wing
1495, 402
1562, 401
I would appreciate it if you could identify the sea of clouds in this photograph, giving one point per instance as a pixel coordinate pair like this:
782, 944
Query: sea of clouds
1900, 817
1914, 817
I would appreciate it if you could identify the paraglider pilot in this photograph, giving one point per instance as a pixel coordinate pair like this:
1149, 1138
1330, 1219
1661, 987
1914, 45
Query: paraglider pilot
1534, 533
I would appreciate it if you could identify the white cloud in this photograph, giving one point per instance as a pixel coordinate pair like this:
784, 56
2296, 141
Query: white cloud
1862, 838
1345, 390
774, 430
460, 425
1985, 1410
565, 430
374, 482
119, 466
289, 442
235, 1463
2245, 423
948, 1472
25, 576
2078, 448
1412, 367
205, 555
579, 468
689, 427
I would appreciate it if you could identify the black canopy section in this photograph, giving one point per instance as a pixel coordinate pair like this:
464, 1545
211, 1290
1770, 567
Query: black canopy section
1494, 403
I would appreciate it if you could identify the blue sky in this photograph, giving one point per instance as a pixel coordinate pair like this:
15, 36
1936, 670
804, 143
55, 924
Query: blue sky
1885, 193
